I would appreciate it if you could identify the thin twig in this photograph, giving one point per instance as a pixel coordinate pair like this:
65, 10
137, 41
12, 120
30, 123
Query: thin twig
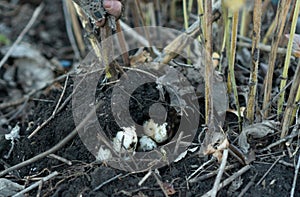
54, 112
108, 181
251, 182
262, 47
51, 150
295, 177
59, 158
201, 167
35, 15
31, 187
230, 179
211, 174
275, 98
264, 176
160, 184
39, 189
220, 173
279, 142
145, 178
286, 164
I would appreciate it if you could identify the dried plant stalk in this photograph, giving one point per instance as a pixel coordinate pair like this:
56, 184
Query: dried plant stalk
186, 24
291, 104
255, 59
287, 59
140, 13
86, 25
107, 49
269, 32
123, 45
208, 61
76, 27
185, 15
235, 21
245, 21
226, 36
280, 18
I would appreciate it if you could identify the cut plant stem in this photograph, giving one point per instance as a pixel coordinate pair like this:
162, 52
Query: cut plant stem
226, 36
235, 21
255, 52
186, 24
288, 58
185, 15
244, 27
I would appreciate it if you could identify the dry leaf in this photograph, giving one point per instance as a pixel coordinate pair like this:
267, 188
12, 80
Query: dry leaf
217, 150
34, 71
257, 130
235, 112
214, 143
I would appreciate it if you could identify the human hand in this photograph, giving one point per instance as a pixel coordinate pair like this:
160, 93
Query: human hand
113, 7
96, 13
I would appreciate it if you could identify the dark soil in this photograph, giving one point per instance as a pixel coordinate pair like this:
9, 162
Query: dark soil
85, 174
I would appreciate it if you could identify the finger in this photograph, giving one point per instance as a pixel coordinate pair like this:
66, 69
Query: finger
113, 7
